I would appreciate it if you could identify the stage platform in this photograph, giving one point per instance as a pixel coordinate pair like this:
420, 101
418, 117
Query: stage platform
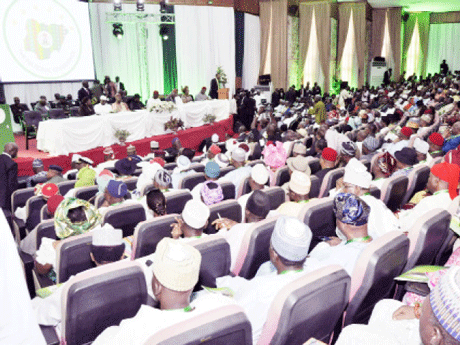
190, 138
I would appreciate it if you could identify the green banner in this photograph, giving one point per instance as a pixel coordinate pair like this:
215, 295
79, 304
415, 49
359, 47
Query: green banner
6, 130
169, 55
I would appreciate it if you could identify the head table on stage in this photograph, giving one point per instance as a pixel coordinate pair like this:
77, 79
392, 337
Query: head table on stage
77, 134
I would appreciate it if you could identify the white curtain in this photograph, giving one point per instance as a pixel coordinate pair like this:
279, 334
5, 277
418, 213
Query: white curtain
387, 52
122, 57
312, 69
349, 63
205, 39
251, 60
444, 44
29, 93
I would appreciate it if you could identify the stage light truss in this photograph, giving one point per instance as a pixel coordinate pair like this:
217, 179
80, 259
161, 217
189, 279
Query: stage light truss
140, 17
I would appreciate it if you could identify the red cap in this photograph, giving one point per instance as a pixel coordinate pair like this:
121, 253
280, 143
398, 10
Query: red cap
329, 154
158, 160
53, 203
50, 189
406, 131
106, 172
436, 138
214, 149
449, 173
244, 146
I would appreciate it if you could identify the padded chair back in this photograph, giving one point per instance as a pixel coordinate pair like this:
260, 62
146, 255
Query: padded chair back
228, 189
44, 215
300, 311
226, 209
73, 256
224, 325
446, 249
277, 196
74, 111
282, 176
57, 113
244, 188
99, 200
393, 191
190, 181
86, 193
33, 209
125, 217
45, 229
32, 118
319, 215
215, 260
226, 170
375, 192
418, 178
170, 166
176, 201
329, 181
252, 163
64, 187
254, 248
374, 273
314, 187
149, 233
131, 183
99, 298
314, 165
198, 167
20, 196
427, 237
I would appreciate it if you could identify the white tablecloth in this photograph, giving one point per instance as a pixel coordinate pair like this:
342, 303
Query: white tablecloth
61, 137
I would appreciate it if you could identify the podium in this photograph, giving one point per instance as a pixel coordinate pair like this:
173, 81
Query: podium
223, 93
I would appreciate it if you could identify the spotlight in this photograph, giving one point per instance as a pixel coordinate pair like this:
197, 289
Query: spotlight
164, 32
118, 30
117, 5
140, 5
162, 6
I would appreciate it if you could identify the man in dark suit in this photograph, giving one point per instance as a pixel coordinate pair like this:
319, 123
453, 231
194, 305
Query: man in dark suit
248, 108
8, 175
214, 87
387, 76
18, 109
291, 95
84, 91
119, 85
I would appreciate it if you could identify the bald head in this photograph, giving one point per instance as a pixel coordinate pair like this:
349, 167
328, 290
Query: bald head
11, 149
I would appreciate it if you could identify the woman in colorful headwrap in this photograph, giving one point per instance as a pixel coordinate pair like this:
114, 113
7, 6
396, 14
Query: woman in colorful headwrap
383, 168
72, 217
211, 193
274, 157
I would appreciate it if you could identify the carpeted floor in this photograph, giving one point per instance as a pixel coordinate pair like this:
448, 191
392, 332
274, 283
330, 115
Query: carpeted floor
191, 138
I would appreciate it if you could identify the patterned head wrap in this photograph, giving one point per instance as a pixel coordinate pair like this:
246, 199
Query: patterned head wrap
348, 148
163, 178
211, 196
275, 156
387, 164
445, 302
62, 225
350, 209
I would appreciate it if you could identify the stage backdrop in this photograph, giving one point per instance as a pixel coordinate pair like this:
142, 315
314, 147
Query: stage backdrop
205, 39
444, 44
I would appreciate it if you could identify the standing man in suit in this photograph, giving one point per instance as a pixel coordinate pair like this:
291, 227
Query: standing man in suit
214, 87
119, 85
84, 91
386, 77
8, 175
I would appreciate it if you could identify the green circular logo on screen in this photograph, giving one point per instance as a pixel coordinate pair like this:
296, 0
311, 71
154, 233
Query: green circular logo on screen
43, 37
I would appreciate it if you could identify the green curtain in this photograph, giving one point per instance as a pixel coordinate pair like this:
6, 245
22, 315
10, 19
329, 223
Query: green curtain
424, 32
169, 57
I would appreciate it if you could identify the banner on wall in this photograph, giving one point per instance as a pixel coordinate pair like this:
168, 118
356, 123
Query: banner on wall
6, 130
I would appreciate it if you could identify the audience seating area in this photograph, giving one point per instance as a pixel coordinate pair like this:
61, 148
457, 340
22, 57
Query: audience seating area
298, 312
